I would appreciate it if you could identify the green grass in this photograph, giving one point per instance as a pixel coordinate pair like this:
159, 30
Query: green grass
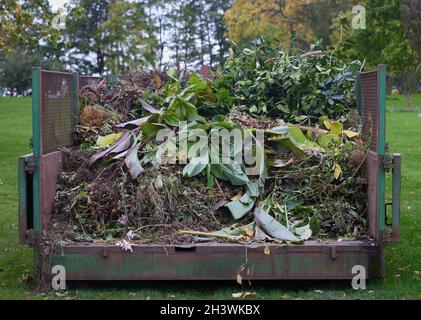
398, 103
402, 260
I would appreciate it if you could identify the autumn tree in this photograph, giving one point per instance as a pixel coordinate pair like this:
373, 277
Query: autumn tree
319, 16
384, 41
273, 19
25, 23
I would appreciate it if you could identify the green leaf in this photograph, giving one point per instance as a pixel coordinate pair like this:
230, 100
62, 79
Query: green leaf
149, 129
298, 136
326, 140
134, 123
230, 172
197, 82
336, 128
239, 208
315, 226
302, 230
211, 179
196, 165
288, 145
252, 189
280, 130
108, 140
272, 227
132, 162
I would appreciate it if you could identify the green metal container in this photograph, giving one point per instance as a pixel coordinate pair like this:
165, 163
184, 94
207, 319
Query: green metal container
55, 113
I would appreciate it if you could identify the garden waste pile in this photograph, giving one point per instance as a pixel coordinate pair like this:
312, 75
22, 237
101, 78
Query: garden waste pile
267, 149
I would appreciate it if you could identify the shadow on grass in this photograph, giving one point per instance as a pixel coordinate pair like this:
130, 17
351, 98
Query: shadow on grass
210, 286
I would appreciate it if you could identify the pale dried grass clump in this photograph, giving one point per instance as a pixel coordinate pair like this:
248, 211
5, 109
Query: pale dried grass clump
94, 116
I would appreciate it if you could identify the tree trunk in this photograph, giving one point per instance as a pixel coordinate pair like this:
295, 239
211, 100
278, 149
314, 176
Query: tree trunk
409, 101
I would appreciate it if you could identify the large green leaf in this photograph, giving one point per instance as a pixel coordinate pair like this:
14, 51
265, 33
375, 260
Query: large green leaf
106, 141
240, 207
149, 129
132, 162
230, 172
272, 227
196, 165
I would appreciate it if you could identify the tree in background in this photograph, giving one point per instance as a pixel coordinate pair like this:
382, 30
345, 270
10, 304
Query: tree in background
26, 40
384, 41
319, 16
411, 16
16, 69
25, 23
191, 32
83, 36
128, 37
112, 35
247, 20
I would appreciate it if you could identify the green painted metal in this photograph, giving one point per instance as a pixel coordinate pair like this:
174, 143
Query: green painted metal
381, 146
284, 262
36, 113
396, 197
22, 200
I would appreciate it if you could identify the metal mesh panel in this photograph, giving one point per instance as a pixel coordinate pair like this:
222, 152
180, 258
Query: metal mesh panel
57, 105
368, 105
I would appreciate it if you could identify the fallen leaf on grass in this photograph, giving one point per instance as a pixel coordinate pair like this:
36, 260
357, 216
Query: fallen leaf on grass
244, 294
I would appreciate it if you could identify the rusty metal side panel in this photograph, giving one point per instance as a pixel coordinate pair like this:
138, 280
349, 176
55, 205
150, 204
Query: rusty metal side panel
371, 98
368, 105
219, 262
57, 107
50, 167
372, 164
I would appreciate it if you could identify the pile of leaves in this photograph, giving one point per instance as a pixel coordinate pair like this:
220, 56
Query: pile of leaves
146, 169
268, 82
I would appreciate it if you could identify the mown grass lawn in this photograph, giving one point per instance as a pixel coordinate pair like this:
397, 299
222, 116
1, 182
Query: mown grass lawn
403, 261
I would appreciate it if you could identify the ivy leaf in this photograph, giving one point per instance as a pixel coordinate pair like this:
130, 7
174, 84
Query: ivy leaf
108, 140
337, 171
350, 133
